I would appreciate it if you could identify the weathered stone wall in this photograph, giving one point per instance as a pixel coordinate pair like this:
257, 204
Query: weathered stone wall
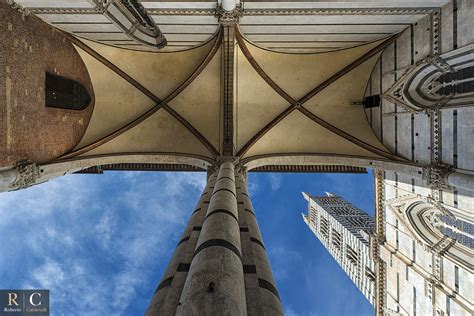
29, 130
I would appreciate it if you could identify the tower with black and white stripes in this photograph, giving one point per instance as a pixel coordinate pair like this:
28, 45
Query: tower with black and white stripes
346, 232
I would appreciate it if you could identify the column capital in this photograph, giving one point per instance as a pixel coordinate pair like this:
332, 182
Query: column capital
229, 17
436, 176
221, 159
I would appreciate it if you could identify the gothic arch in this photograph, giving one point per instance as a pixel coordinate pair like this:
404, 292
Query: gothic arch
438, 229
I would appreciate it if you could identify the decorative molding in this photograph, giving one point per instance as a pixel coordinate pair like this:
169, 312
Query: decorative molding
209, 12
27, 174
379, 210
435, 40
228, 65
378, 240
437, 176
229, 17
65, 10
435, 127
443, 245
239, 11
343, 11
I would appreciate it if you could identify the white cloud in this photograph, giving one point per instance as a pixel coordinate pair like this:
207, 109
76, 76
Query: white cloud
106, 228
253, 188
275, 180
289, 311
94, 241
282, 261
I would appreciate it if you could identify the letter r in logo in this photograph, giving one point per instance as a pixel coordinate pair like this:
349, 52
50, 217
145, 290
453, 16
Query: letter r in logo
12, 297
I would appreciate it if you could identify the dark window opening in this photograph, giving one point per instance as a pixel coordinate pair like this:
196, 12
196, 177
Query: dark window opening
351, 255
370, 274
453, 78
65, 93
372, 101
456, 278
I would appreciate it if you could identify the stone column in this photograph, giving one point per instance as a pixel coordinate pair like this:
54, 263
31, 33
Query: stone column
215, 282
442, 176
461, 180
166, 297
262, 294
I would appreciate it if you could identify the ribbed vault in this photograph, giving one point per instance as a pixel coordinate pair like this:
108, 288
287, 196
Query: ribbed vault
282, 104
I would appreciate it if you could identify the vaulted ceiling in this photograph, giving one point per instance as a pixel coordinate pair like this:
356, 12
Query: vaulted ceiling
170, 103
283, 78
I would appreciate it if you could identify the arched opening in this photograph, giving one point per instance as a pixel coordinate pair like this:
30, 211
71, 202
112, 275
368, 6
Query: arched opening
65, 93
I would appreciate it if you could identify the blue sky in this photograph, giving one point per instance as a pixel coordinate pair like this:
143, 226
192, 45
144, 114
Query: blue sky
101, 242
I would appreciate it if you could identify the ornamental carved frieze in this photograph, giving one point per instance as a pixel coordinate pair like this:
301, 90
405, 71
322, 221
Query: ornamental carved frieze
27, 174
340, 11
229, 17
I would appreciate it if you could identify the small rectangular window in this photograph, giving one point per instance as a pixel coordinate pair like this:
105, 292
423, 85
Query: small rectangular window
351, 255
371, 101
396, 233
336, 239
414, 301
324, 228
456, 278
414, 250
398, 292
370, 274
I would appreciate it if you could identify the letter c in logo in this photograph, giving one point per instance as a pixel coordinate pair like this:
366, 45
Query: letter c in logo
31, 299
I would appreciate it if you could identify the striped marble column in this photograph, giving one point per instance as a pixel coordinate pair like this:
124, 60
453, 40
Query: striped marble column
215, 282
166, 297
261, 291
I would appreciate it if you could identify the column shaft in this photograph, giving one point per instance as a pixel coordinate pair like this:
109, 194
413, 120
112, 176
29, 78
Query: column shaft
215, 282
461, 180
267, 302
166, 297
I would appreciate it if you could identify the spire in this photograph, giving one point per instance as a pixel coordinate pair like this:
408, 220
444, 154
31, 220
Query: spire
306, 196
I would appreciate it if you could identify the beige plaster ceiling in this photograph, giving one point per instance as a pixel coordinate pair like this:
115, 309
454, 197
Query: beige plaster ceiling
191, 121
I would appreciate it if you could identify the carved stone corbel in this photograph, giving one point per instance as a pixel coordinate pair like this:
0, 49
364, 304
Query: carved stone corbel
436, 176
27, 174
